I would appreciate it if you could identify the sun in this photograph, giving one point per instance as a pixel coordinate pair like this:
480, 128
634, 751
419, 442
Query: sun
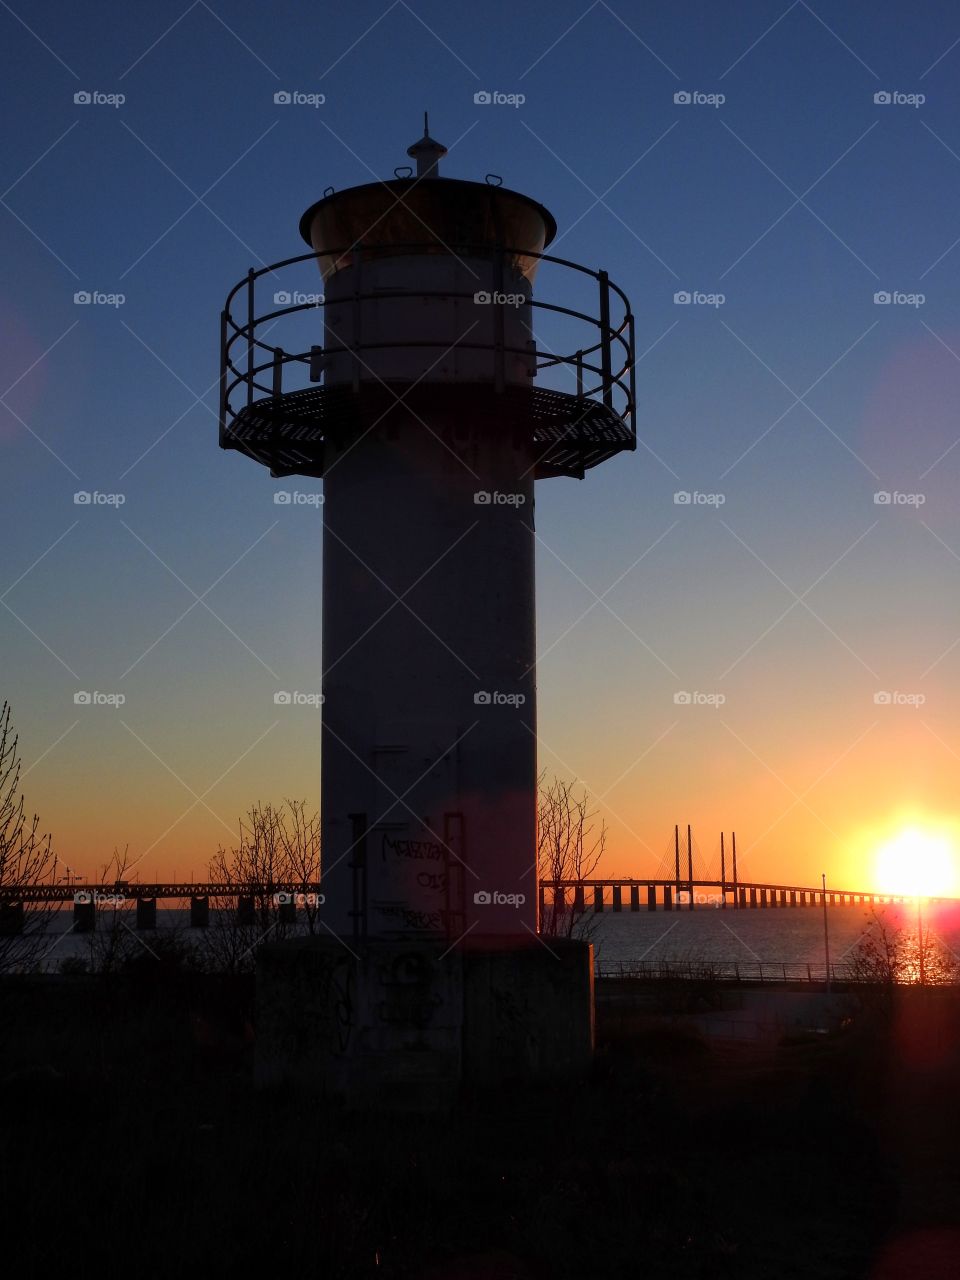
917, 863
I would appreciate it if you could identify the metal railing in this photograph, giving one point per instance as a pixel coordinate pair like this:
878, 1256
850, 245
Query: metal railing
752, 971
256, 367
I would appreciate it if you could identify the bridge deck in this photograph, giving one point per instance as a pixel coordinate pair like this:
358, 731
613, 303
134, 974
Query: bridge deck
763, 892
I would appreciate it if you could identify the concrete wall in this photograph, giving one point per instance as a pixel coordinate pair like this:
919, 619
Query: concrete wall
401, 1025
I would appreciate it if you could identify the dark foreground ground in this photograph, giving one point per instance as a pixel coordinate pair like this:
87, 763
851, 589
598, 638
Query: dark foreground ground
133, 1141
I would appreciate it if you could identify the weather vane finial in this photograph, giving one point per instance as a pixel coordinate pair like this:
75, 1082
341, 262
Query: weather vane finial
427, 152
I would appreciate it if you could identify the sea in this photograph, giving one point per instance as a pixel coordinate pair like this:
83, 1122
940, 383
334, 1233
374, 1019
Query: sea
768, 943
784, 942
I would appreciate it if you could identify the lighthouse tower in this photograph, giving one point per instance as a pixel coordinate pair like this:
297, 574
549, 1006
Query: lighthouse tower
417, 384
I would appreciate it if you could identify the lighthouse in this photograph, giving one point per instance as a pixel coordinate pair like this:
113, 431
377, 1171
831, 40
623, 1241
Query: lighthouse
411, 376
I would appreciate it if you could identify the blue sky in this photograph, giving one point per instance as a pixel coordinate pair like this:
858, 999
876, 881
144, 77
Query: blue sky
797, 198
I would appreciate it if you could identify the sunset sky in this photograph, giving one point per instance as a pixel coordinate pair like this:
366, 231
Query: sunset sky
799, 598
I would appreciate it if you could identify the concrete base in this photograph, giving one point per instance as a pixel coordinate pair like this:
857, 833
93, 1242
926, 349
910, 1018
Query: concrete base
404, 1024
527, 1009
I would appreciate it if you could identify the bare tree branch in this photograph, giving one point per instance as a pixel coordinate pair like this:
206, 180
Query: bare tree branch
569, 847
26, 857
